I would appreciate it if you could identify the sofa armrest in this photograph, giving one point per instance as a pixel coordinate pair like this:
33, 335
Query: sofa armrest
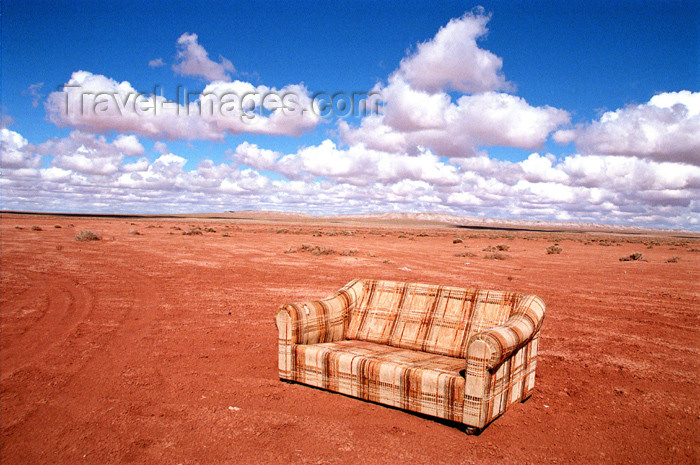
495, 345
314, 322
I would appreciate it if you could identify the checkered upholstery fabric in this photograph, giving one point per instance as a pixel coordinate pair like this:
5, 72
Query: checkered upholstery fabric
408, 379
458, 354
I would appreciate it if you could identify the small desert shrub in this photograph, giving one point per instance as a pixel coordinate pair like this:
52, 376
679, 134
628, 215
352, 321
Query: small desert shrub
554, 249
465, 254
488, 249
402, 236
18, 227
386, 261
87, 235
496, 256
176, 228
673, 260
349, 253
36, 228
70, 225
212, 230
282, 231
150, 226
633, 257
457, 241
134, 232
313, 249
503, 247
322, 251
422, 234
192, 232
225, 234
57, 226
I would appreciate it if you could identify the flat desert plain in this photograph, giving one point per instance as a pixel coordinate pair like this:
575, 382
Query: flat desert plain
153, 347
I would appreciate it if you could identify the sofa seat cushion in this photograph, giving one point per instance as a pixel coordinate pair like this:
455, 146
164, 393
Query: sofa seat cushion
419, 381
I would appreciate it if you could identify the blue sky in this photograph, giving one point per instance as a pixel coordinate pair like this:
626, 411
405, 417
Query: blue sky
529, 138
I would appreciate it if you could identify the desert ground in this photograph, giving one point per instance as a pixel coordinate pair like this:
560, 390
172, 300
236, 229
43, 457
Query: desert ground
151, 346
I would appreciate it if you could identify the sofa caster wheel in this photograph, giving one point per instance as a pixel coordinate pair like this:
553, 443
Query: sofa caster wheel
472, 430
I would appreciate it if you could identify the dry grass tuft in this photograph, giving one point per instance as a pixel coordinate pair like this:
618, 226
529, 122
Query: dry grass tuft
503, 247
192, 232
87, 235
313, 249
349, 253
673, 260
554, 249
633, 258
465, 254
211, 230
496, 256
36, 228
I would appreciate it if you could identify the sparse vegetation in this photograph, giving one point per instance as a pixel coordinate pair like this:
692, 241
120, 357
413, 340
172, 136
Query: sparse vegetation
633, 257
673, 260
313, 249
554, 249
503, 247
496, 256
349, 253
18, 227
192, 232
465, 254
57, 226
87, 235
134, 232
210, 230
36, 228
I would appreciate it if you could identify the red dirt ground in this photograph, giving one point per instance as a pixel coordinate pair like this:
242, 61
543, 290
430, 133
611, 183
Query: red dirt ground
160, 348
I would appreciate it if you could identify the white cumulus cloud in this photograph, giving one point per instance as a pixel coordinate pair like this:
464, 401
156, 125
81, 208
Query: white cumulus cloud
452, 60
193, 60
667, 128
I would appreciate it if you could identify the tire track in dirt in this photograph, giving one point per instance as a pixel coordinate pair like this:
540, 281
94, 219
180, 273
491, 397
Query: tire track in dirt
82, 332
64, 305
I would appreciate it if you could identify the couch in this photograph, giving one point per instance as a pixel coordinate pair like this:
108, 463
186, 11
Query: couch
464, 355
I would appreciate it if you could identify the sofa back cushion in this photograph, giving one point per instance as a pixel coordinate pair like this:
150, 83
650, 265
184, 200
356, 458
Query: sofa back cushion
434, 319
374, 315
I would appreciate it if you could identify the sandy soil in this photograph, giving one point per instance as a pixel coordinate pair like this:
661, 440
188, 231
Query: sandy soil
160, 348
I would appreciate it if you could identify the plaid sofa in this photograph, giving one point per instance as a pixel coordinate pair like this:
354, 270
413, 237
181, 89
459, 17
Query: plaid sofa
460, 354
